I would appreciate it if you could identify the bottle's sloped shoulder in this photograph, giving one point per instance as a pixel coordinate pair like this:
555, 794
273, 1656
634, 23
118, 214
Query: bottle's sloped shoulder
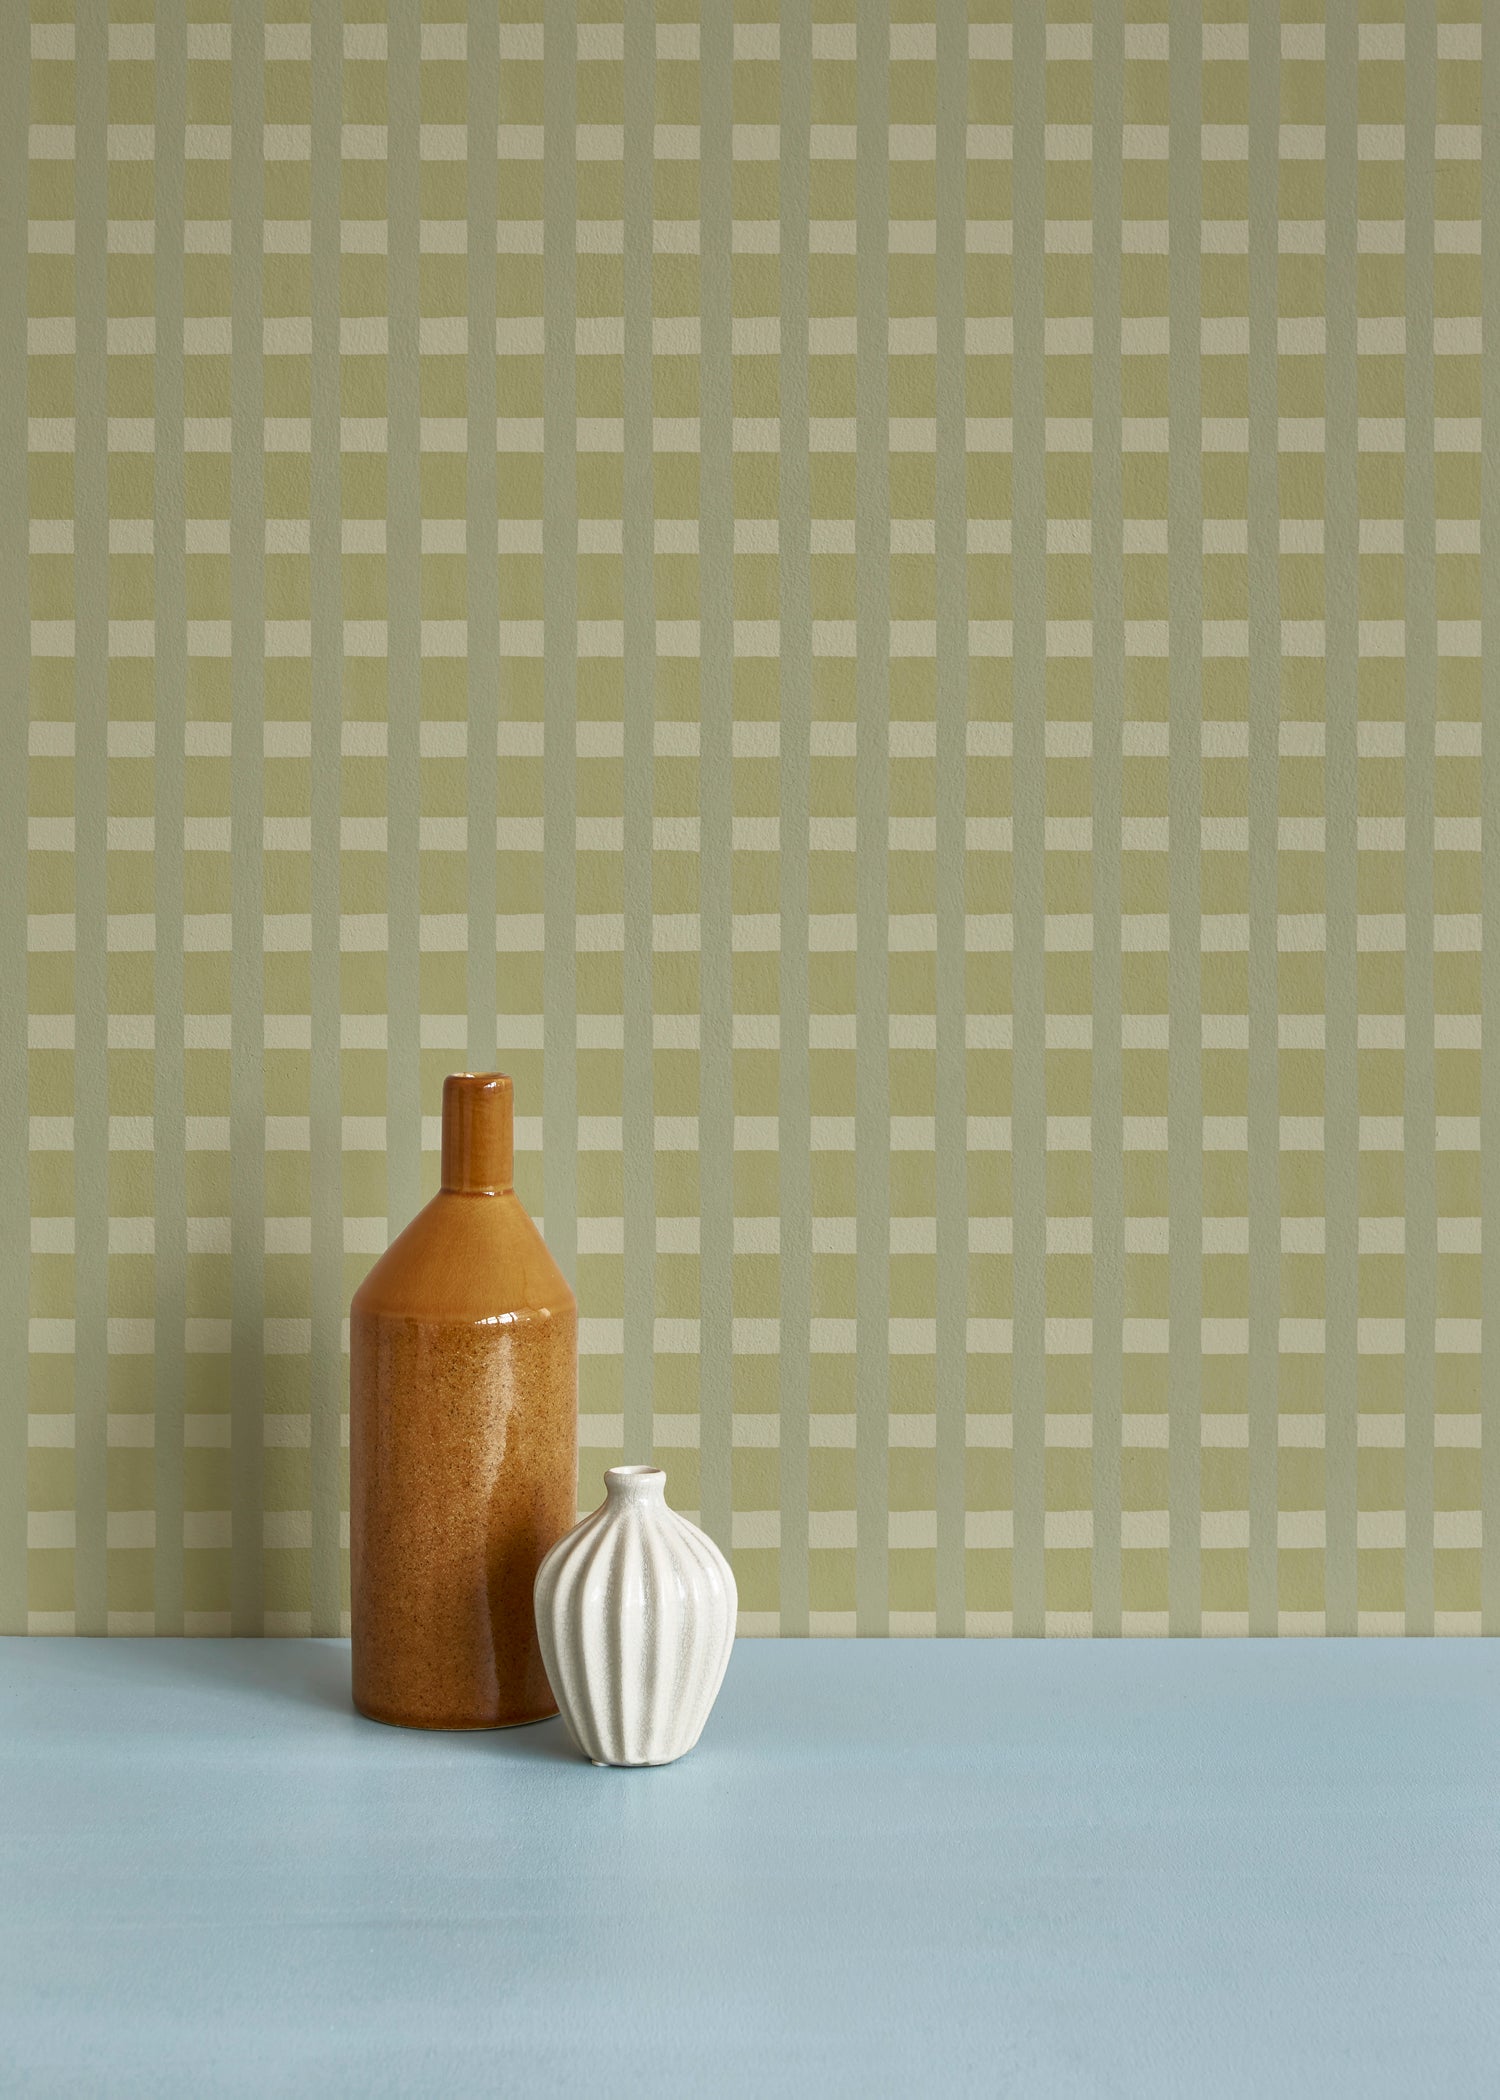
467, 1258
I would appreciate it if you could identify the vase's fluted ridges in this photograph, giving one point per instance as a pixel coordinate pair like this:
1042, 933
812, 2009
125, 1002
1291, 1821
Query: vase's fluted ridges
705, 1661
636, 1611
656, 1587
560, 1586
622, 1730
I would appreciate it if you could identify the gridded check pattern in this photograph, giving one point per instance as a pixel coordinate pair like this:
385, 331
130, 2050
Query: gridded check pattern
884, 605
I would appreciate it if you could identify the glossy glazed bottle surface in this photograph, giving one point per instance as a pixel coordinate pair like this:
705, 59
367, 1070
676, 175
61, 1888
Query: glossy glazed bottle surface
463, 1429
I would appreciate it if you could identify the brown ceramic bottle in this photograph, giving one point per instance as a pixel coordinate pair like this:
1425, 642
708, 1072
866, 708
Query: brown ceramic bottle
463, 1434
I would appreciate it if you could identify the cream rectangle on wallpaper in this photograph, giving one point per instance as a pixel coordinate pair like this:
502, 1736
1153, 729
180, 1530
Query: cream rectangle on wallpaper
884, 605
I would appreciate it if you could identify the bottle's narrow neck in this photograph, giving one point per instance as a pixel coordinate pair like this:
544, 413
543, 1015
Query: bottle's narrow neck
478, 1134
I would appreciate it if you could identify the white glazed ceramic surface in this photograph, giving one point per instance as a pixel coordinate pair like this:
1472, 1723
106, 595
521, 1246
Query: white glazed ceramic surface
635, 1610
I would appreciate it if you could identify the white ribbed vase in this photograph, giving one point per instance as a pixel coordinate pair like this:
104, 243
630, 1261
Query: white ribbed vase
635, 1611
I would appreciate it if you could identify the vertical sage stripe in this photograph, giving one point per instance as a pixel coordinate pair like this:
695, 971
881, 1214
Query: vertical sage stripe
638, 530
90, 817
1028, 830
15, 647
1185, 813
1263, 1190
1489, 1102
716, 783
1341, 821
872, 569
481, 534
1418, 1105
950, 528
403, 570
1107, 1075
560, 638
326, 1369
794, 1093
168, 1073
247, 1128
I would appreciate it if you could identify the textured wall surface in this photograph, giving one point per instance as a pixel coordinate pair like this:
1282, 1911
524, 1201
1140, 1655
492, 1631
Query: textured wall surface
885, 611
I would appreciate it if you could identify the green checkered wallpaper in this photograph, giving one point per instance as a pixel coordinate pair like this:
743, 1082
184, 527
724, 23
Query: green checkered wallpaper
883, 604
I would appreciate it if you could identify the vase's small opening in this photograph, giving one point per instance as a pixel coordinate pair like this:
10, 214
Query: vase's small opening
634, 1480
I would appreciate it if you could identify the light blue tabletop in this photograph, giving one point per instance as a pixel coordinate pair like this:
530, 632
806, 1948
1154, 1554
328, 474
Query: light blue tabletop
890, 1867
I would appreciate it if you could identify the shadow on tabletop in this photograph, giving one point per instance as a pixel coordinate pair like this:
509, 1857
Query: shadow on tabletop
315, 1674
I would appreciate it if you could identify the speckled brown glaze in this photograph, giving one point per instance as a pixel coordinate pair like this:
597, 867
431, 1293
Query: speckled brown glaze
463, 1432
